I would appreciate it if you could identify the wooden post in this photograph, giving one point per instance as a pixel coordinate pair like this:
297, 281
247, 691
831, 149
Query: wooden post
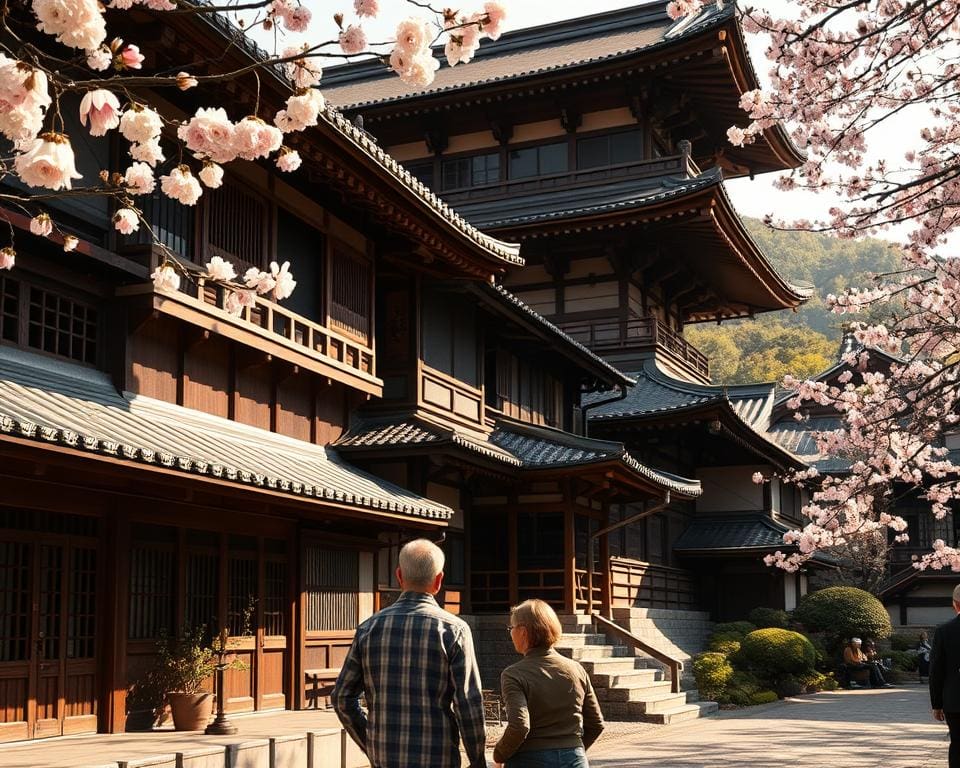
569, 555
606, 590
512, 559
114, 575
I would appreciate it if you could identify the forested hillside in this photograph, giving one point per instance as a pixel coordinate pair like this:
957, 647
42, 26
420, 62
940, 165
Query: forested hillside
803, 342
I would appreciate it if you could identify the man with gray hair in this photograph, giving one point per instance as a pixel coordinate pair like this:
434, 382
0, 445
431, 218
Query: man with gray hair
945, 677
414, 664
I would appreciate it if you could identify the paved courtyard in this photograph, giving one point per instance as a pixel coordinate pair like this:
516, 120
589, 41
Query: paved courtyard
892, 728
853, 729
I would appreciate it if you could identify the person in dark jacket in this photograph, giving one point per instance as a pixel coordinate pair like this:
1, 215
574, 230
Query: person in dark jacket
945, 677
552, 711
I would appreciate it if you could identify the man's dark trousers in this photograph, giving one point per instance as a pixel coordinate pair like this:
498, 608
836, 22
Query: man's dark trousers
945, 681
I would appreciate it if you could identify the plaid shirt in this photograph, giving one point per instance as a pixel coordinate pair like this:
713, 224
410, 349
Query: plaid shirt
414, 663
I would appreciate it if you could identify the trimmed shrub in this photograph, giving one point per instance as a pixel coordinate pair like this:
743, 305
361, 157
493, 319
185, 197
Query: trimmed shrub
843, 612
726, 646
764, 697
903, 660
814, 681
743, 681
738, 629
773, 651
904, 641
788, 685
713, 672
830, 683
764, 618
737, 697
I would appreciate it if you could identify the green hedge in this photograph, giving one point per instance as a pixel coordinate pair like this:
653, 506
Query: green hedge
774, 651
737, 629
713, 672
844, 612
764, 697
764, 618
723, 644
904, 641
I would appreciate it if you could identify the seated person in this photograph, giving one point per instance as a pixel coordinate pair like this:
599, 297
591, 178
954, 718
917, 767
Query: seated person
923, 657
855, 659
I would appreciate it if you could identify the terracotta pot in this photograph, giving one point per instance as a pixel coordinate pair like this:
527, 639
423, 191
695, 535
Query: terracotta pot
191, 711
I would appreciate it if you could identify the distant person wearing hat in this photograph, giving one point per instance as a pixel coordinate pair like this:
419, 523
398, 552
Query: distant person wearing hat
945, 677
854, 659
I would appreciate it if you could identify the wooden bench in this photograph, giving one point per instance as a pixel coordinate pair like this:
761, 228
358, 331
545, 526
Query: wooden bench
322, 681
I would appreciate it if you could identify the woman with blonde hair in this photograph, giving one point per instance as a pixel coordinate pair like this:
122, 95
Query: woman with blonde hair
552, 712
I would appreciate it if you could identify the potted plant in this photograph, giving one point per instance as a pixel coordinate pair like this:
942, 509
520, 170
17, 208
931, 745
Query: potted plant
184, 664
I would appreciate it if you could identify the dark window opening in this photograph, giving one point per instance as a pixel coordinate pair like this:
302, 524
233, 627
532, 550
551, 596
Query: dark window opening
462, 172
423, 172
610, 149
538, 161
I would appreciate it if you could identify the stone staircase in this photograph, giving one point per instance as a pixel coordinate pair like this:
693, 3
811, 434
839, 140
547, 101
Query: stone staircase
629, 685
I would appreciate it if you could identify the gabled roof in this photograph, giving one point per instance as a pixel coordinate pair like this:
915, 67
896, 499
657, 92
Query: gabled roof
53, 402
514, 307
511, 443
744, 410
906, 579
395, 175
799, 437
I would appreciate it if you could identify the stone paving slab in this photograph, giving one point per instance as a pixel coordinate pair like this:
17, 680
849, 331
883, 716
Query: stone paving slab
888, 728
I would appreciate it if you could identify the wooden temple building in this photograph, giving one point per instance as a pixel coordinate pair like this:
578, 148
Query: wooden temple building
599, 144
167, 464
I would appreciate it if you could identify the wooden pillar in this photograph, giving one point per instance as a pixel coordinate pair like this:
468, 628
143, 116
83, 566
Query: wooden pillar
606, 592
295, 634
512, 559
113, 573
569, 554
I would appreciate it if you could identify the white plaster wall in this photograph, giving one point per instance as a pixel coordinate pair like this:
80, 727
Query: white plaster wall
730, 489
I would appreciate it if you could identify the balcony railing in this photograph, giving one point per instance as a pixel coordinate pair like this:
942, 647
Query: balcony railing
271, 328
675, 165
637, 335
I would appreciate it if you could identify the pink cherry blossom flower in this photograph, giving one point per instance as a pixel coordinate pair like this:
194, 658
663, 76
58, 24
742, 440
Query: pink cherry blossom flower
418, 71
301, 112
131, 58
48, 162
140, 124
99, 59
253, 138
185, 81
757, 477
126, 221
139, 179
298, 19
353, 40
149, 152
41, 225
70, 243
238, 300
288, 160
220, 269
75, 23
8, 258
181, 185
736, 135
366, 7
496, 16
412, 37
209, 134
211, 175
165, 278
262, 282
160, 5
103, 110
303, 72
283, 280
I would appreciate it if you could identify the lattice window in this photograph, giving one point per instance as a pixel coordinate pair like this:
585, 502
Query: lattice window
152, 578
47, 522
331, 581
274, 597
350, 295
9, 309
236, 226
61, 326
15, 569
200, 609
241, 594
82, 599
50, 601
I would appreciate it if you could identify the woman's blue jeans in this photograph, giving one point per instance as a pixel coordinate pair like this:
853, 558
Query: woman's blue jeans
571, 757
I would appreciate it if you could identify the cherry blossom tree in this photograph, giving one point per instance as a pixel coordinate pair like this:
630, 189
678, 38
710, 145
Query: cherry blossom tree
843, 76
52, 49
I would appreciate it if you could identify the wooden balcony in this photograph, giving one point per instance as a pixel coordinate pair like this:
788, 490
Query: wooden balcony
641, 335
675, 165
270, 328
634, 583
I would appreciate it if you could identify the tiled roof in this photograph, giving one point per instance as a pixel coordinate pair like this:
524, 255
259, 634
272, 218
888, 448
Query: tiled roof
68, 405
522, 446
538, 50
799, 437
732, 532
518, 209
499, 293
333, 120
656, 392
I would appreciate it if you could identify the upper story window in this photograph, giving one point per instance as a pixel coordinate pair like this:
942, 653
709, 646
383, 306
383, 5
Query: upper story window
47, 321
422, 171
473, 171
610, 149
350, 288
449, 335
540, 160
235, 226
